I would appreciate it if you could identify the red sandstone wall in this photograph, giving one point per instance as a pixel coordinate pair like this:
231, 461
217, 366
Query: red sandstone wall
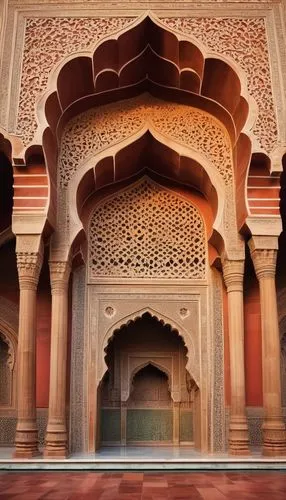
43, 347
253, 343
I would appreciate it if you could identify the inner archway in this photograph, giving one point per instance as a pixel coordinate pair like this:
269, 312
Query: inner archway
147, 397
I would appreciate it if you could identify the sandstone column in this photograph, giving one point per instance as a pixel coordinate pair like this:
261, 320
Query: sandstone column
233, 271
56, 436
29, 262
264, 260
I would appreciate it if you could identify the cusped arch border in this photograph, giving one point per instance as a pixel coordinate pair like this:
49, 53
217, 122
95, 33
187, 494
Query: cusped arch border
192, 356
49, 119
225, 194
206, 54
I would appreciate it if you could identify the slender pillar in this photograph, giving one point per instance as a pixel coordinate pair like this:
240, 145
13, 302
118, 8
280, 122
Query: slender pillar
123, 423
176, 423
238, 431
56, 435
29, 265
274, 434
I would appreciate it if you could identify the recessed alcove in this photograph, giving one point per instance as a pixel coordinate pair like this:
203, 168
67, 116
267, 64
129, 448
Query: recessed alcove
146, 395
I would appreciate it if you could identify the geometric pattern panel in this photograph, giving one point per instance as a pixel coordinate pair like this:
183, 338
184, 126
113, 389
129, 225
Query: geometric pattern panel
149, 425
147, 231
186, 426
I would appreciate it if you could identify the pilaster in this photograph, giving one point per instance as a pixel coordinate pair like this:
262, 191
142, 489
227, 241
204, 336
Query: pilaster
233, 271
56, 436
29, 251
264, 254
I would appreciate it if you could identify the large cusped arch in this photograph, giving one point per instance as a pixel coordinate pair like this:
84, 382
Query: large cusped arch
146, 56
186, 336
188, 165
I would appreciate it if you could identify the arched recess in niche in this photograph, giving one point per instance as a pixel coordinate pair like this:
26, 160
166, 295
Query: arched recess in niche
146, 390
8, 372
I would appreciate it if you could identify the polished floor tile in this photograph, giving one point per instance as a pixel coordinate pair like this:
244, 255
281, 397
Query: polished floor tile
142, 486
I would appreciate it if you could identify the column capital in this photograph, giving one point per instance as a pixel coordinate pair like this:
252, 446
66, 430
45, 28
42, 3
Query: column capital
233, 273
59, 275
264, 255
29, 252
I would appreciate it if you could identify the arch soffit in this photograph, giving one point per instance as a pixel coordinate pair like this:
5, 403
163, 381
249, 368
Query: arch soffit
165, 321
182, 150
52, 81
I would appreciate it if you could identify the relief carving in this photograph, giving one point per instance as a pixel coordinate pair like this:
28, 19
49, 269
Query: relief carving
47, 41
99, 128
245, 41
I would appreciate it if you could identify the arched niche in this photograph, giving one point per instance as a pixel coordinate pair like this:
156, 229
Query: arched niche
179, 163
186, 336
8, 354
146, 380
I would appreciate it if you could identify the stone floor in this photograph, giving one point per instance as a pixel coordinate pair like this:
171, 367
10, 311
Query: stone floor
142, 486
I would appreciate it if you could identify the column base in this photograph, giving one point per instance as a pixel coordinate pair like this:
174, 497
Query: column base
26, 453
274, 439
56, 442
238, 438
26, 440
55, 453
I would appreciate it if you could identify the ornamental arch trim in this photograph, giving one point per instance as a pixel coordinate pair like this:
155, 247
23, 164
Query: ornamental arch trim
225, 194
160, 366
175, 42
192, 356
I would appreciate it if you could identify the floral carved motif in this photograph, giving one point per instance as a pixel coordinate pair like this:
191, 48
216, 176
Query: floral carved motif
47, 41
245, 41
29, 266
97, 129
146, 231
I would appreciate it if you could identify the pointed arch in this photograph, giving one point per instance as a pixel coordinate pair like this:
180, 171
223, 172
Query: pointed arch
187, 337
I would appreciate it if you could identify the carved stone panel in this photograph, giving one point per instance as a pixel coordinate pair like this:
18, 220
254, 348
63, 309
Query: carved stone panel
146, 231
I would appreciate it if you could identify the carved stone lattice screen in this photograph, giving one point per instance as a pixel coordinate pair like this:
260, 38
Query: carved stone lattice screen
146, 231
